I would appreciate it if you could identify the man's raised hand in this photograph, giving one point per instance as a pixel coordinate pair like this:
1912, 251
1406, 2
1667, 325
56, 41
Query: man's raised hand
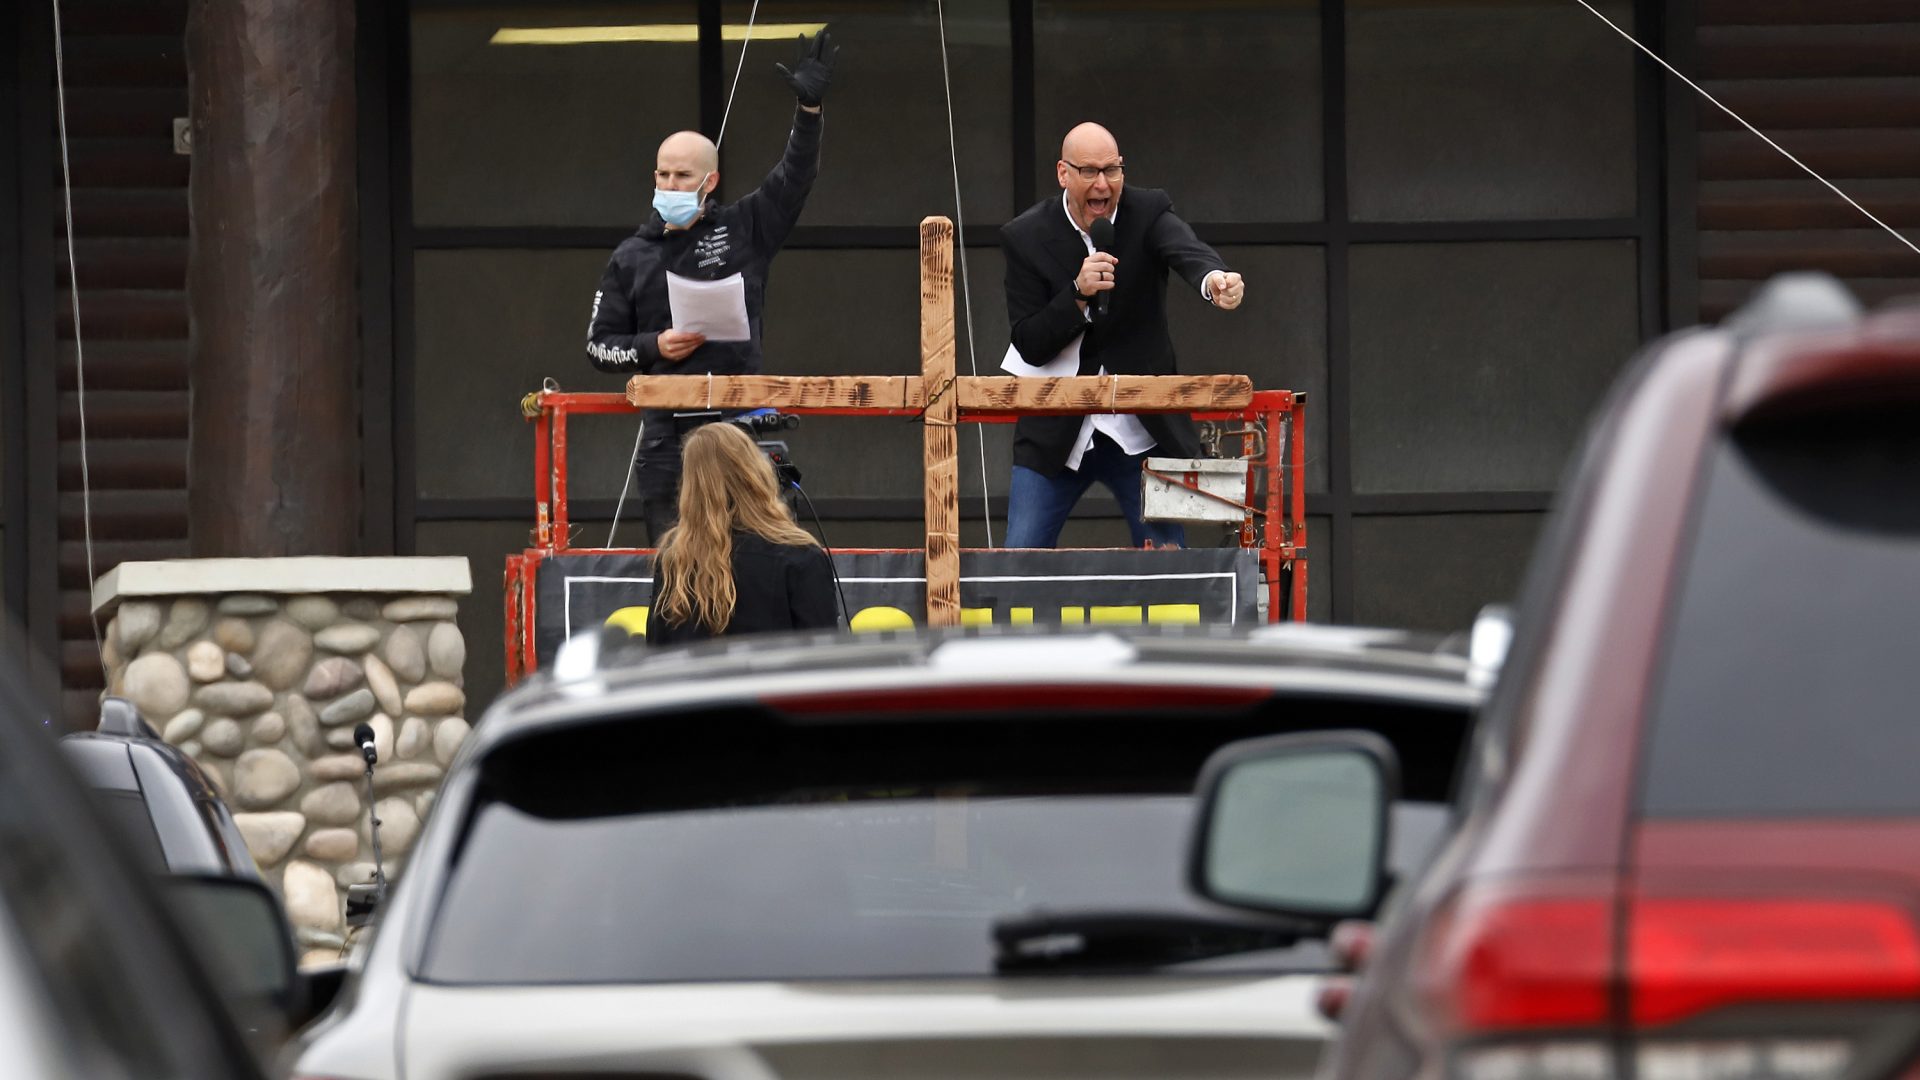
677, 345
812, 69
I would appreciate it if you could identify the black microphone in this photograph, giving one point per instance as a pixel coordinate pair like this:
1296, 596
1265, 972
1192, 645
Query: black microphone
1102, 233
363, 738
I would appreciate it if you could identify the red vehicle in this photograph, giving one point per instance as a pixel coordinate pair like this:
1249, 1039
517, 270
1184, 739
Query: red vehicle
1688, 844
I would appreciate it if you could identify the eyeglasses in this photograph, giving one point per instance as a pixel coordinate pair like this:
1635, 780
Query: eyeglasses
1088, 172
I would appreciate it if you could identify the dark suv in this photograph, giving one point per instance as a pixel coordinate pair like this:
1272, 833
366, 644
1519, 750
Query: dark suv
159, 797
1690, 840
107, 970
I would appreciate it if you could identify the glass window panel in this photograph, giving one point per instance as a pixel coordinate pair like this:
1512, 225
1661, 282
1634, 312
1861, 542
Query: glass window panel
911, 532
488, 327
1320, 555
885, 157
1475, 365
1479, 109
1217, 101
858, 312
544, 134
1435, 572
1278, 336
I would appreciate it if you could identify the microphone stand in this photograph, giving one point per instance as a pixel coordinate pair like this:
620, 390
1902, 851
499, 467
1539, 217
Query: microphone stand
364, 900
373, 822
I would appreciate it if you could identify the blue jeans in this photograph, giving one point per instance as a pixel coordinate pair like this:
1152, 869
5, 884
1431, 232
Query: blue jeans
1038, 505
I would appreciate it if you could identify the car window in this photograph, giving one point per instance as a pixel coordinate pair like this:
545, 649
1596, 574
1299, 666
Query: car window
849, 885
196, 831
1790, 678
725, 848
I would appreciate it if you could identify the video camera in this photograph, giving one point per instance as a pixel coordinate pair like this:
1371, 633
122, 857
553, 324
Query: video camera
758, 423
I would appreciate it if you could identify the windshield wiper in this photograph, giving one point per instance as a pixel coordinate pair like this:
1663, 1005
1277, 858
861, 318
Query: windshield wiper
1042, 941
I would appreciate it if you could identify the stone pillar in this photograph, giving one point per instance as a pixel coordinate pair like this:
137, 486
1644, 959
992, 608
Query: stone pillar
274, 450
260, 668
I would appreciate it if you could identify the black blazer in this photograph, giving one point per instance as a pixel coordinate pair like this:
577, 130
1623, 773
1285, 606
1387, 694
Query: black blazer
777, 587
1043, 253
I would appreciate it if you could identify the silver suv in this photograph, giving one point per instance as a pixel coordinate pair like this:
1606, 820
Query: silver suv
942, 854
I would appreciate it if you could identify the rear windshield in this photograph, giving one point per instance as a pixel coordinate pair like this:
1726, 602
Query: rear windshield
707, 860
1792, 681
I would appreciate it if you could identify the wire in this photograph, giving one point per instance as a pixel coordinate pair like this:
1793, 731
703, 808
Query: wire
633, 461
960, 242
738, 68
79, 348
846, 613
1891, 231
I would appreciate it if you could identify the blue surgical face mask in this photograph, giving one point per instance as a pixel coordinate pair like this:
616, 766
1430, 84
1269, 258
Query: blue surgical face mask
679, 208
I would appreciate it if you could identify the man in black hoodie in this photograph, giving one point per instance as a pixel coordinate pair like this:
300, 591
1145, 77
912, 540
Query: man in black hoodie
631, 330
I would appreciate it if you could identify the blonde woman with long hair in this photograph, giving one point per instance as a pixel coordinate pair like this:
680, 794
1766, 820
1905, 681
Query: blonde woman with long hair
736, 563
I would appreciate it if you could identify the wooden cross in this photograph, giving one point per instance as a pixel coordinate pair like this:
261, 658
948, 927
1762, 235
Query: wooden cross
940, 396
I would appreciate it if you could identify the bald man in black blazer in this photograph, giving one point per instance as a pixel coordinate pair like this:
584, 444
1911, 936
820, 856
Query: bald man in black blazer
1054, 280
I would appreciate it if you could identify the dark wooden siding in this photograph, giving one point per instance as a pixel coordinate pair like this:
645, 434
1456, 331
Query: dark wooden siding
126, 81
1837, 82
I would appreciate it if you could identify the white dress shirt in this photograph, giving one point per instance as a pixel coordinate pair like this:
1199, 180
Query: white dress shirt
1123, 428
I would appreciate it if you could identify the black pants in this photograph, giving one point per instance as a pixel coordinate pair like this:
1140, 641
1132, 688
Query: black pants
656, 468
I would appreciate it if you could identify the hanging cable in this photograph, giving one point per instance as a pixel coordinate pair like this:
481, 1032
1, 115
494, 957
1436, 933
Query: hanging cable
79, 349
1891, 231
628, 484
725, 114
960, 242
737, 69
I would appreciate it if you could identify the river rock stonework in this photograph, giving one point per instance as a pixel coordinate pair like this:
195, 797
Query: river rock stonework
260, 688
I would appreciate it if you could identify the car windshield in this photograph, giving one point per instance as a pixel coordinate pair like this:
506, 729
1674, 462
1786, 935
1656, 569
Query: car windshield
847, 880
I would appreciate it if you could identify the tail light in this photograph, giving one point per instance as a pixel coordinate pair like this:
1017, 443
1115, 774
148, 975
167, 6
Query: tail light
1688, 956
1572, 979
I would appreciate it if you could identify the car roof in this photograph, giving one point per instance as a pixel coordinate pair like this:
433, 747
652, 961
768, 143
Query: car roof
104, 760
191, 821
596, 675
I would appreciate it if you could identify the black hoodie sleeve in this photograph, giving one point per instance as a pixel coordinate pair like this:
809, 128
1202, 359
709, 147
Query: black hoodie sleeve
614, 342
774, 207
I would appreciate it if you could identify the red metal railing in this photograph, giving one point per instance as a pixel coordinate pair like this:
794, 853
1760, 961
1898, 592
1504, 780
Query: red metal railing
1279, 442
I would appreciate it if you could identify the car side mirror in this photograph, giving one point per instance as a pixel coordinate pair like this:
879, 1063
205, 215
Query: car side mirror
1296, 824
241, 932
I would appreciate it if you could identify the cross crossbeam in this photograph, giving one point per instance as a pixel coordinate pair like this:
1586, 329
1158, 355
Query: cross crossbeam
983, 394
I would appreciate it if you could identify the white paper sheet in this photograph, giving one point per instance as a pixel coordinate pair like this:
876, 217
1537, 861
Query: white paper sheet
717, 309
1064, 364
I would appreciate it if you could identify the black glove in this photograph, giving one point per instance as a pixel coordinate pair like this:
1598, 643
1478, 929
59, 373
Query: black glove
812, 69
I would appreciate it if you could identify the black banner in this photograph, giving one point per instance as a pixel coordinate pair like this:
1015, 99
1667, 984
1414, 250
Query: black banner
887, 590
